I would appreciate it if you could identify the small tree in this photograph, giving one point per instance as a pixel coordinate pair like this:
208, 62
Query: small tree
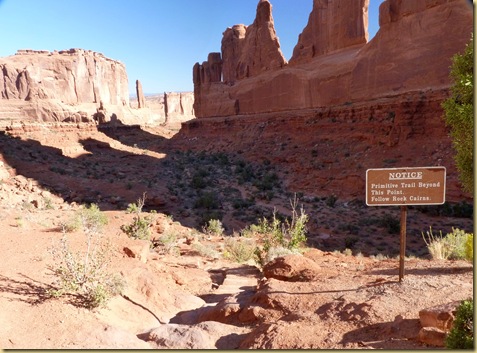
459, 114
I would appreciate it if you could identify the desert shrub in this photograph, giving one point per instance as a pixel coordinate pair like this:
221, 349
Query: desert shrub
214, 227
167, 244
140, 227
89, 219
348, 252
392, 224
275, 251
461, 335
350, 242
274, 233
469, 248
331, 200
207, 200
459, 114
452, 246
85, 273
206, 250
239, 249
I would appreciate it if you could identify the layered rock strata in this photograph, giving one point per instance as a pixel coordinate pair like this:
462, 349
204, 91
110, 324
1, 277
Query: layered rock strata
71, 76
64, 85
333, 63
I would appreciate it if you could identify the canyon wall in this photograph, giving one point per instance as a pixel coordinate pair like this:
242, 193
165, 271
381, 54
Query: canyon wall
62, 85
333, 63
72, 76
78, 85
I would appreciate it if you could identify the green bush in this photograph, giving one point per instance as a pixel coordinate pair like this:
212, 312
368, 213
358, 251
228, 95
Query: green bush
469, 247
140, 227
214, 227
287, 234
207, 200
239, 249
167, 244
392, 224
88, 219
459, 114
461, 335
452, 246
85, 273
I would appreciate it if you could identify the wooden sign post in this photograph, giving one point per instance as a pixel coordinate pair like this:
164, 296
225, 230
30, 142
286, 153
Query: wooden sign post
403, 187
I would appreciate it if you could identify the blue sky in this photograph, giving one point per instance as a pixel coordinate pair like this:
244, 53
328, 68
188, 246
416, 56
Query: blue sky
159, 41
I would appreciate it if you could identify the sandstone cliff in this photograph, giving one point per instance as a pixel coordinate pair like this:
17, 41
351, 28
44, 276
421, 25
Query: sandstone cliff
71, 76
332, 25
54, 86
333, 64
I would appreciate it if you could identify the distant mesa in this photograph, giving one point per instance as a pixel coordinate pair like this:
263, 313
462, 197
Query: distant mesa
333, 61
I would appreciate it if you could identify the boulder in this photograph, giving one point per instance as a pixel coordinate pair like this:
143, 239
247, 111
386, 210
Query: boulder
441, 316
436, 322
432, 336
138, 249
205, 335
292, 268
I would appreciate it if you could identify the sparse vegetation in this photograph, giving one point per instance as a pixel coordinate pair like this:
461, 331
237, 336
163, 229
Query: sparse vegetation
89, 219
274, 233
214, 227
85, 274
239, 249
167, 244
140, 228
453, 246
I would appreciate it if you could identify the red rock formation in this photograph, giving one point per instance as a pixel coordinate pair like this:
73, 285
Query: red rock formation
333, 25
246, 52
141, 100
249, 51
410, 52
51, 84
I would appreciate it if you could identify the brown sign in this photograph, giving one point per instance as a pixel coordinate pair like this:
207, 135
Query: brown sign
405, 186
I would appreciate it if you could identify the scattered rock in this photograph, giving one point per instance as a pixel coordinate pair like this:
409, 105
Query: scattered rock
441, 316
432, 336
138, 249
293, 268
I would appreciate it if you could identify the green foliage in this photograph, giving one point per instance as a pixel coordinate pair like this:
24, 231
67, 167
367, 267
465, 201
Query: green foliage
140, 227
459, 114
461, 209
461, 335
453, 246
274, 233
392, 224
469, 247
214, 227
331, 200
89, 220
167, 244
85, 273
207, 200
239, 249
